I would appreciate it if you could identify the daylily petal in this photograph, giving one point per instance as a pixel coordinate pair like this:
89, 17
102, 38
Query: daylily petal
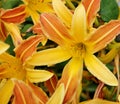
58, 96
3, 32
99, 70
6, 92
65, 16
49, 57
51, 84
15, 15
92, 7
23, 94
54, 28
42, 96
3, 47
105, 34
44, 7
38, 75
26, 49
34, 15
71, 77
14, 32
109, 56
99, 101
78, 26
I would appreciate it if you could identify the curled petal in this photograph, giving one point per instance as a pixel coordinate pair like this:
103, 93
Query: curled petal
16, 15
49, 57
26, 49
54, 29
91, 7
38, 75
99, 70
105, 34
71, 77
58, 96
65, 16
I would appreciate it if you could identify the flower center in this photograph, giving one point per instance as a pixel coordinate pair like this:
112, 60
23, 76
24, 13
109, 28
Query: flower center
79, 49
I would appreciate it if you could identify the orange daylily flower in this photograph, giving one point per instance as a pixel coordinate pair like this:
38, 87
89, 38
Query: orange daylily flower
78, 45
8, 19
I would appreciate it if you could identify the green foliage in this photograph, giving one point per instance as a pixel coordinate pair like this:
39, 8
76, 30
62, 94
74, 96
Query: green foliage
10, 42
109, 10
8, 4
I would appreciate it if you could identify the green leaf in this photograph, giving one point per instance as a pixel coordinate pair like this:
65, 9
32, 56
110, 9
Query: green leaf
109, 10
9, 4
10, 42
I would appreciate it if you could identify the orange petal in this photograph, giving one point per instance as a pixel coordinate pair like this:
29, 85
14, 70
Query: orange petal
23, 94
51, 84
16, 15
105, 34
26, 49
43, 98
71, 77
91, 7
3, 31
54, 28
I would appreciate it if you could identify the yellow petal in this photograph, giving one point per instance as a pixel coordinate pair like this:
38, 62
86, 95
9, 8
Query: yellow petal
34, 15
98, 101
105, 34
6, 92
49, 57
109, 56
38, 75
71, 77
3, 47
54, 29
99, 70
14, 32
92, 7
65, 16
78, 27
58, 96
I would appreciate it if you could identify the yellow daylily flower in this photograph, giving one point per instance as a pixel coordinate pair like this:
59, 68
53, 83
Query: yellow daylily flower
77, 44
35, 6
15, 66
